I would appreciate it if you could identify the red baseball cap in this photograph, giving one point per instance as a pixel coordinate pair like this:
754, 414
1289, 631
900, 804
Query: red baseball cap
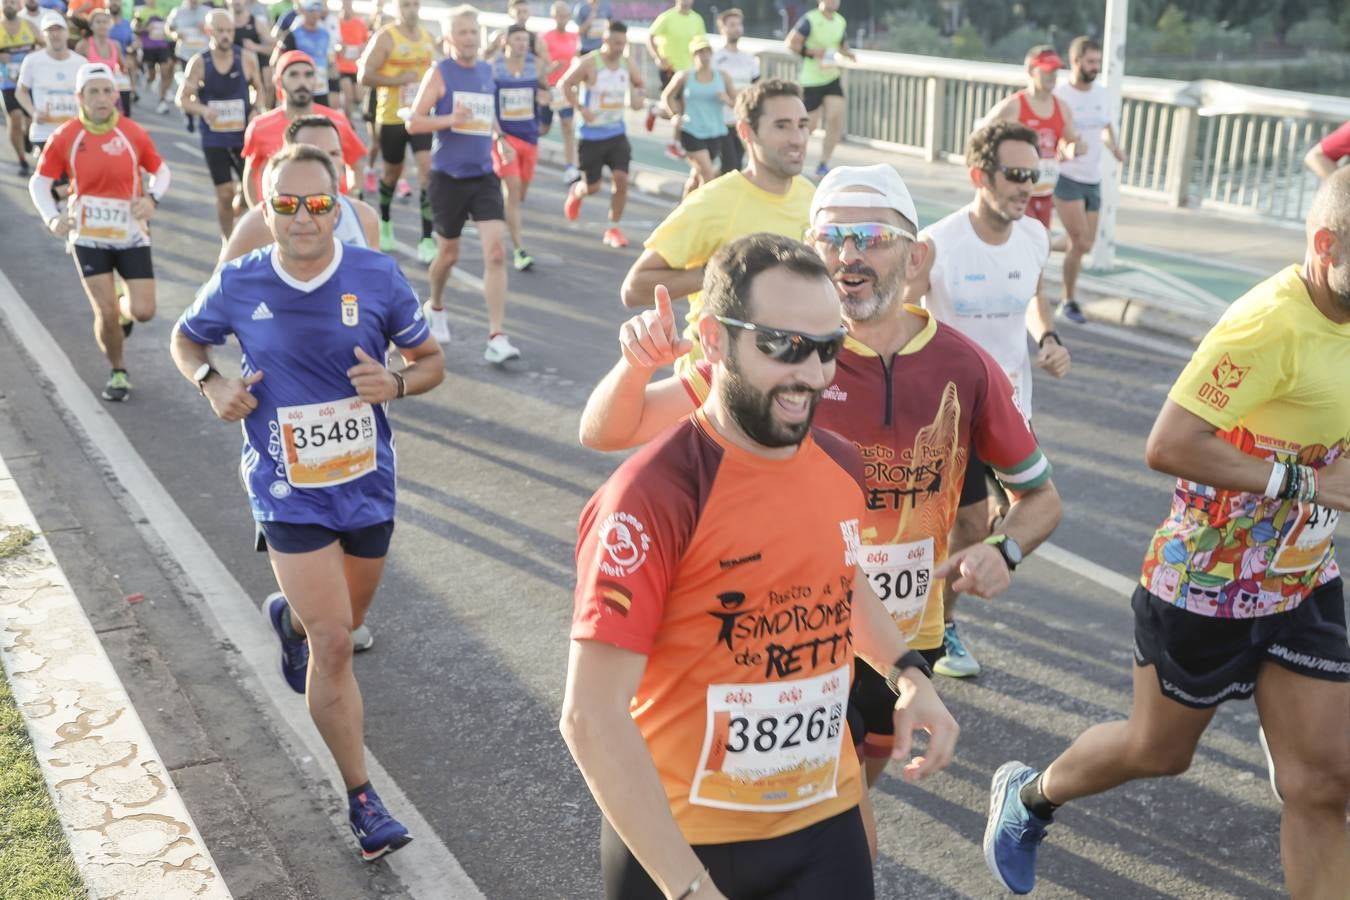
288, 59
1045, 59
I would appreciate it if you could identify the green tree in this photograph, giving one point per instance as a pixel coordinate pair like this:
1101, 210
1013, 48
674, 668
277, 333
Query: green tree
1174, 34
967, 42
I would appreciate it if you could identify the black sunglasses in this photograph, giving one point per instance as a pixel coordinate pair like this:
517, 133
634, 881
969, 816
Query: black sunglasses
790, 347
1019, 174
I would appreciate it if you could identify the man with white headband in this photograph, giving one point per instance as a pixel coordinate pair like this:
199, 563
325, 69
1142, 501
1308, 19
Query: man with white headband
919, 400
106, 219
982, 275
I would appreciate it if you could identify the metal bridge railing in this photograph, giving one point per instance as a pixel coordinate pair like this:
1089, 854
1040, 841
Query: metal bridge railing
1194, 144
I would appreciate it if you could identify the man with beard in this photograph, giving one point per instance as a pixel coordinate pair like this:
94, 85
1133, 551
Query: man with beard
266, 133
1078, 193
770, 195
106, 158
723, 772
1254, 430
215, 88
982, 275
919, 400
314, 319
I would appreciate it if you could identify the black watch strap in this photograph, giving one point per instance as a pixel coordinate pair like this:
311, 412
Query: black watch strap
911, 660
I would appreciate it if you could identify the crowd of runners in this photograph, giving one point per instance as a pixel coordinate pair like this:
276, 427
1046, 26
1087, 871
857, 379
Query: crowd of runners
767, 587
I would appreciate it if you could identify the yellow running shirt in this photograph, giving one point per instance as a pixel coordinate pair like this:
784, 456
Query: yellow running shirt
1271, 376
407, 54
721, 211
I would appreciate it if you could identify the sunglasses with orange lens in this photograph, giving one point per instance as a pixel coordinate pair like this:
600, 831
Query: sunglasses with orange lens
289, 204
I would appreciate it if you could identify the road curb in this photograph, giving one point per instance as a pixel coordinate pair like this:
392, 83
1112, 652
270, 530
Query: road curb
1154, 314
129, 831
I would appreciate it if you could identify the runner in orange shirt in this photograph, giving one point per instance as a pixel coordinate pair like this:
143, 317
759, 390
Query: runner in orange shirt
107, 219
266, 133
355, 33
717, 614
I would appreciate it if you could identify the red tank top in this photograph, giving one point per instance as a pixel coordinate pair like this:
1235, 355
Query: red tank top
1049, 130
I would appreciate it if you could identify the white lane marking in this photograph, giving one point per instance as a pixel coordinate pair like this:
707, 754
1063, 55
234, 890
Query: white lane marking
468, 279
190, 149
1143, 341
426, 867
73, 703
1086, 568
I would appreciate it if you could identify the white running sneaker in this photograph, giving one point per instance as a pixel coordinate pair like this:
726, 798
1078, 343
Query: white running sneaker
162, 108
571, 174
439, 322
500, 349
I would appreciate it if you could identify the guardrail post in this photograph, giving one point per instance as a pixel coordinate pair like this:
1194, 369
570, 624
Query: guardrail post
1181, 154
934, 102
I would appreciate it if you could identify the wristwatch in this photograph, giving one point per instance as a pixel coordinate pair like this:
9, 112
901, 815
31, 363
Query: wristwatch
911, 660
205, 371
1009, 549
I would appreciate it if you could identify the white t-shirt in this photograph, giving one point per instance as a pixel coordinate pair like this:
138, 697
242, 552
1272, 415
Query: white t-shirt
742, 67
52, 84
1089, 118
983, 290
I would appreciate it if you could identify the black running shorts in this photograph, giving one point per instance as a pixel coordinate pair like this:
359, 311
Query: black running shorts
1202, 660
455, 201
827, 859
226, 164
395, 141
594, 156
129, 262
813, 97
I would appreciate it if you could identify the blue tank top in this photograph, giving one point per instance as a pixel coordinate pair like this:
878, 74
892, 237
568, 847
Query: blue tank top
228, 95
313, 453
315, 43
703, 108
465, 151
607, 99
516, 109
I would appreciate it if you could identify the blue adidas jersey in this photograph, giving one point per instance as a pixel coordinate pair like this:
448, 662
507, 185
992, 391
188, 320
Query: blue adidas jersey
313, 453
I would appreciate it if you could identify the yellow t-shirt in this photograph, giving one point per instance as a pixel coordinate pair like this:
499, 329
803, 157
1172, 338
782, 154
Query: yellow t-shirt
408, 53
721, 211
672, 32
1271, 376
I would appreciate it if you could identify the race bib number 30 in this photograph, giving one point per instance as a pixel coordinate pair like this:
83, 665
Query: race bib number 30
482, 108
328, 443
901, 575
772, 747
104, 219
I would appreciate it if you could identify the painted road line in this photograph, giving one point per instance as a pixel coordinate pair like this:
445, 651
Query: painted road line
1086, 568
426, 867
129, 831
191, 149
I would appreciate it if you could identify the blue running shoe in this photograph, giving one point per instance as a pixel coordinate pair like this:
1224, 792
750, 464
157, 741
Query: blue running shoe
1014, 832
822, 170
376, 831
294, 653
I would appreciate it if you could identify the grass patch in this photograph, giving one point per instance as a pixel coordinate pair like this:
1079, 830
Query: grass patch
13, 540
35, 860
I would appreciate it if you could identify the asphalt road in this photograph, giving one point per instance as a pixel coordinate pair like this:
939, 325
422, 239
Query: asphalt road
464, 684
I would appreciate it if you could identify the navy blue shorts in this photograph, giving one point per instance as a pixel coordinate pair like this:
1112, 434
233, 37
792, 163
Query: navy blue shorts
371, 542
